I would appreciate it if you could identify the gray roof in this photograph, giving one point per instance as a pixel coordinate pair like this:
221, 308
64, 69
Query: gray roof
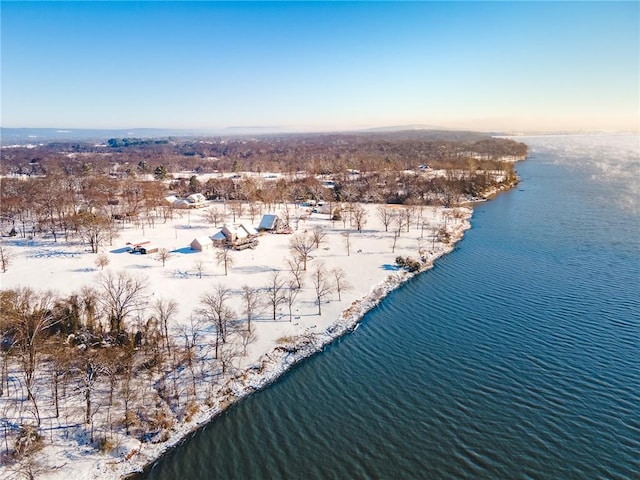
268, 222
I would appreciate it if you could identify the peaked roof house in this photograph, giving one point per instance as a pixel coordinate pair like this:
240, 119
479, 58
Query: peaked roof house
197, 200
239, 238
218, 238
201, 243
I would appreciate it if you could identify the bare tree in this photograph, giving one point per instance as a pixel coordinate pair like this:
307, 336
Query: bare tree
323, 287
247, 337
408, 213
199, 267
347, 241
274, 292
5, 258
251, 301
215, 310
94, 229
228, 354
399, 223
223, 257
102, 260
318, 235
255, 209
121, 296
214, 216
237, 209
385, 215
31, 319
302, 245
290, 294
295, 267
165, 310
340, 281
359, 216
90, 367
163, 255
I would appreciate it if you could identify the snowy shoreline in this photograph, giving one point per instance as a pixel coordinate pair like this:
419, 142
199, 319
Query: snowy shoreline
283, 342
273, 364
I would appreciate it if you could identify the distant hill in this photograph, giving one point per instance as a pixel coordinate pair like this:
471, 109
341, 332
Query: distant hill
25, 136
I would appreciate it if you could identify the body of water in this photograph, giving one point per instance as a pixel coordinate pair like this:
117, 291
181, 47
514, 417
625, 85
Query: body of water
516, 357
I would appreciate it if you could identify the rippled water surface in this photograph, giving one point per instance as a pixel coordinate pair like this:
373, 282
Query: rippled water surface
516, 357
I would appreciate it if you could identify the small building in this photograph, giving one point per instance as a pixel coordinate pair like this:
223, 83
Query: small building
219, 239
138, 243
145, 249
197, 200
238, 238
201, 244
269, 222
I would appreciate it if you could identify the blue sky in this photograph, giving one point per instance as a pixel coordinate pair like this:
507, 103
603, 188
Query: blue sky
513, 66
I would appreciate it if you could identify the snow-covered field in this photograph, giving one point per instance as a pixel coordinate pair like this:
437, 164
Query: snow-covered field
369, 267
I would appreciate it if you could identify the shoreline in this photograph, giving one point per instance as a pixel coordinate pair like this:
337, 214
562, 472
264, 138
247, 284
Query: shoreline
282, 345
275, 363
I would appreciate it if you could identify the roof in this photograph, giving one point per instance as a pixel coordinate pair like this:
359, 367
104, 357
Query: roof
202, 240
249, 229
268, 222
218, 236
196, 198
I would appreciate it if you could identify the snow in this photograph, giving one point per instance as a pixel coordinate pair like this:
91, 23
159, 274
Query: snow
370, 270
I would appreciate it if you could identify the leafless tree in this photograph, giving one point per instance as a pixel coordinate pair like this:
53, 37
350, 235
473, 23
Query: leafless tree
385, 215
290, 294
228, 355
163, 255
89, 367
347, 241
121, 295
199, 267
274, 292
251, 301
295, 267
214, 216
31, 319
408, 213
399, 223
237, 209
286, 215
340, 281
322, 285
302, 245
223, 257
102, 260
247, 337
359, 216
164, 310
255, 209
94, 229
318, 234
215, 310
5, 258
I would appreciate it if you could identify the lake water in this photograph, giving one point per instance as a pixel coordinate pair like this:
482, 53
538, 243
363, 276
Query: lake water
516, 357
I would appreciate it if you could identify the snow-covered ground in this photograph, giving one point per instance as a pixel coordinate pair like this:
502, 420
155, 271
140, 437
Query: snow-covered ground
370, 270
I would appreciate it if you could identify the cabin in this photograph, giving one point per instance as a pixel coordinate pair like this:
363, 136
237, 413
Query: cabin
219, 239
240, 237
201, 244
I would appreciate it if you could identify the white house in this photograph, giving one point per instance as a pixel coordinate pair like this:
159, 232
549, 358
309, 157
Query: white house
201, 243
